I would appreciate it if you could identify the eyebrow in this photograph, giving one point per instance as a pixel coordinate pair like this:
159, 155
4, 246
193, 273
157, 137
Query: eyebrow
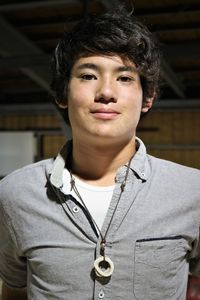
88, 66
127, 68
96, 68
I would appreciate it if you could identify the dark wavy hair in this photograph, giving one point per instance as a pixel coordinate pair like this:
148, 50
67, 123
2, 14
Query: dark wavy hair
115, 32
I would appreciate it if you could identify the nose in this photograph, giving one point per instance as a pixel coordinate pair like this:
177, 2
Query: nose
106, 91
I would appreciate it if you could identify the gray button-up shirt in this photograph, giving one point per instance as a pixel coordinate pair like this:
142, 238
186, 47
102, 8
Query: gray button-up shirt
50, 247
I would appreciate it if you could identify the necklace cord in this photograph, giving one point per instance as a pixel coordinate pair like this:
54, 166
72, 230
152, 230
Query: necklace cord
122, 187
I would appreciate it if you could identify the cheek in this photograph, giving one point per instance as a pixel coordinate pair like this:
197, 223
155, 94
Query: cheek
135, 103
74, 99
79, 94
76, 104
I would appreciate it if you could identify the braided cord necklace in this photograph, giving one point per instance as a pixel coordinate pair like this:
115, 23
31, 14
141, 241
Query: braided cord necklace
103, 265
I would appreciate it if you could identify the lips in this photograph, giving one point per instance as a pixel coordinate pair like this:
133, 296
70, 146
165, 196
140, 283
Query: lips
105, 113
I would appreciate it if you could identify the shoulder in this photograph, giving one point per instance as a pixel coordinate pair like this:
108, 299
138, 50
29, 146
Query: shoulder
31, 170
19, 181
174, 173
172, 166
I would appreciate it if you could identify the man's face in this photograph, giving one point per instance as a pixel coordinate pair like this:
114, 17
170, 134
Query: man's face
104, 99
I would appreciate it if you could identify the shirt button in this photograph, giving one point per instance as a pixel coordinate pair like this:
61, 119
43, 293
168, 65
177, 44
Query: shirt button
75, 209
101, 294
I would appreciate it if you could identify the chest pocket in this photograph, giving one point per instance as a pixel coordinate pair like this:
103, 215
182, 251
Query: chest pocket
157, 262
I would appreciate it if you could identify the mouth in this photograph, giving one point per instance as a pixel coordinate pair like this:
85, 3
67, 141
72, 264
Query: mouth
105, 113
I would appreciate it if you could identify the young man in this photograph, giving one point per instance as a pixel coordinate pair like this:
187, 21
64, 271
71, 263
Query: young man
104, 220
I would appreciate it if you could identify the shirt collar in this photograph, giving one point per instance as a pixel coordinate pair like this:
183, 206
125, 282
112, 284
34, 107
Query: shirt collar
139, 163
56, 176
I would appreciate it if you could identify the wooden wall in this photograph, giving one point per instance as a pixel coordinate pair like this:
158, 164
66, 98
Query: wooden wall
173, 135
169, 135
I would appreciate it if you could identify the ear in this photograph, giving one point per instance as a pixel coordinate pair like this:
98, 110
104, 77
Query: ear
62, 104
147, 104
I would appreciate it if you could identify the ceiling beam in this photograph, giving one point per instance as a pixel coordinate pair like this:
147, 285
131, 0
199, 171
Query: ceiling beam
28, 108
173, 104
110, 4
172, 19
172, 79
35, 5
24, 61
13, 43
182, 50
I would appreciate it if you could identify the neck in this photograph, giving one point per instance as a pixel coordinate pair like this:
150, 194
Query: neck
98, 165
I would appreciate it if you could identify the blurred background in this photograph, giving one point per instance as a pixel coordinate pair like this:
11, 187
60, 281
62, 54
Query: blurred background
30, 127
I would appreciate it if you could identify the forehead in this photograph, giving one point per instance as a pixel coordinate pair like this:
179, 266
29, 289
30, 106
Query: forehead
104, 61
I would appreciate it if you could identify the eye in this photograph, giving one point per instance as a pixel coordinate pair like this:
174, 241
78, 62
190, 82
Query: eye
125, 78
88, 77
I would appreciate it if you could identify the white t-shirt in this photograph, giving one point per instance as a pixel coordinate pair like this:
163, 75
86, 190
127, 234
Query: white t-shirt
96, 198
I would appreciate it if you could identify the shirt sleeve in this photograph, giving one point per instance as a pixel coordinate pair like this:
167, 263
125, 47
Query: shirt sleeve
194, 262
12, 264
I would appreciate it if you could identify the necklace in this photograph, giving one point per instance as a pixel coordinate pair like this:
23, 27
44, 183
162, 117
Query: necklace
103, 265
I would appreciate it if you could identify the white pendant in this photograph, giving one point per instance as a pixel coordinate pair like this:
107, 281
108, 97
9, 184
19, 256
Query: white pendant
103, 266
